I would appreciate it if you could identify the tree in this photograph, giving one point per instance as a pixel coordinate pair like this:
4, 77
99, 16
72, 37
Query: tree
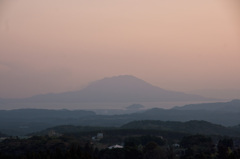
197, 146
225, 147
153, 151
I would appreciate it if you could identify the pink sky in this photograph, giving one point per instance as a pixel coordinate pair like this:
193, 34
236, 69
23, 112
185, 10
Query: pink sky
59, 45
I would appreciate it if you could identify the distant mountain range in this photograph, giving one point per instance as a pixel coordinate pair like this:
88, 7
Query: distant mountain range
114, 90
117, 89
232, 106
23, 121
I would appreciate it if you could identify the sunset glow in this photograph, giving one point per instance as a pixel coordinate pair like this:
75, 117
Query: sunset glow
56, 46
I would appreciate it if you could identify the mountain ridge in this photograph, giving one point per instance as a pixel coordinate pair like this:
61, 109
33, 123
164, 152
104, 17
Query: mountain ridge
124, 88
192, 126
22, 121
232, 106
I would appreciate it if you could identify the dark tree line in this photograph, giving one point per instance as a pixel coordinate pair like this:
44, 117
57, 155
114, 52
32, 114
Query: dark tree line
135, 147
202, 147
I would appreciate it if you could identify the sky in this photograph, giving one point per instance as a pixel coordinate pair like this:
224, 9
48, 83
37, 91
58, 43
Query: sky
53, 46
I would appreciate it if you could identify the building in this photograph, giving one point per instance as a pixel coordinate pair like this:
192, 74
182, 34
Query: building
115, 147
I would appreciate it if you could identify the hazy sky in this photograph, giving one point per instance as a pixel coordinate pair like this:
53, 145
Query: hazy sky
62, 45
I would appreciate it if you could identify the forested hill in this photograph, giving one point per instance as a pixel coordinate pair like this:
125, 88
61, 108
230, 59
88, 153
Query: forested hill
218, 117
191, 127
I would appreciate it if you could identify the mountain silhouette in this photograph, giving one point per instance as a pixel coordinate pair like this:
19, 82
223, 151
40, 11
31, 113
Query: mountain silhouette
124, 88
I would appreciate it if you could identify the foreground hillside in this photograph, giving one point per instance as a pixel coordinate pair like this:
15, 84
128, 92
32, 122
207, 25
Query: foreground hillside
121, 143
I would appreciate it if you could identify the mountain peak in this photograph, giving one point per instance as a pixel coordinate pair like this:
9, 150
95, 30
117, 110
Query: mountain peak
123, 77
128, 88
117, 89
120, 78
